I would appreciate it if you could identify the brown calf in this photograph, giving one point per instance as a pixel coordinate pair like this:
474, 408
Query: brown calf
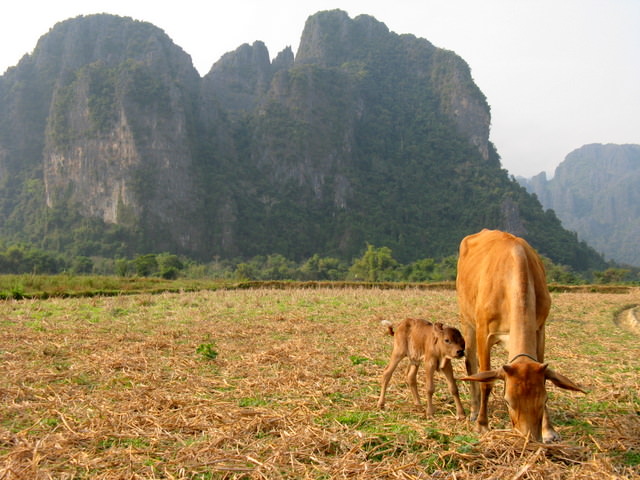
421, 341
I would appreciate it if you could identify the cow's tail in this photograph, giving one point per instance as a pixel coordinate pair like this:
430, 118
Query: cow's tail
389, 325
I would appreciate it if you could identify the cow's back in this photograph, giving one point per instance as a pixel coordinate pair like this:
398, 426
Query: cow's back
500, 277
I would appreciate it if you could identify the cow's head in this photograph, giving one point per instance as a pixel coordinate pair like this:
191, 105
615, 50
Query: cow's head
525, 393
450, 340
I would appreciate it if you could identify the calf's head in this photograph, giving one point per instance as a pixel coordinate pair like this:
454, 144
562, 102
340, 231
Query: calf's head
525, 393
449, 339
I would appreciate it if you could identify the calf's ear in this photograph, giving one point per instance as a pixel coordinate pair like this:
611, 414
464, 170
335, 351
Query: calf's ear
562, 381
488, 376
438, 331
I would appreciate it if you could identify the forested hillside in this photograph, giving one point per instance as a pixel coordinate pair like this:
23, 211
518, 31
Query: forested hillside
111, 144
595, 192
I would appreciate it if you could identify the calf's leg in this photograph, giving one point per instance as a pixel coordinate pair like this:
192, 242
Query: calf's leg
447, 370
430, 371
412, 380
387, 373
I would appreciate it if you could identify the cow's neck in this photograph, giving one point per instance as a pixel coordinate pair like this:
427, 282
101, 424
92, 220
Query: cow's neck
522, 339
523, 355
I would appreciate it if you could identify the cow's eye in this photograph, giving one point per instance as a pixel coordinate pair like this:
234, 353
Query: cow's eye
446, 340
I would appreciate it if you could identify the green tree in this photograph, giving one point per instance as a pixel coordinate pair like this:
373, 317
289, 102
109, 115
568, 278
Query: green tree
323, 268
169, 265
612, 275
122, 267
447, 268
420, 270
81, 265
146, 265
376, 265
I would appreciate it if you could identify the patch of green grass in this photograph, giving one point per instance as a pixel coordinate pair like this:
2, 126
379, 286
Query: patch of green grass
118, 442
50, 422
203, 476
631, 458
577, 424
467, 443
356, 419
358, 360
437, 435
337, 397
603, 407
434, 462
119, 312
253, 402
62, 365
207, 351
15, 291
36, 325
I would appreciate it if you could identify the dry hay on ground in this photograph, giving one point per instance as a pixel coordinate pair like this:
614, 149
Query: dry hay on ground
283, 384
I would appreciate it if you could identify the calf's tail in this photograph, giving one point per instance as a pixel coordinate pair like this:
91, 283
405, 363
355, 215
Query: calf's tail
389, 325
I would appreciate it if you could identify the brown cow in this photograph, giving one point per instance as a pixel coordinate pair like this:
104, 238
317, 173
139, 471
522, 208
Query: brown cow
421, 341
503, 298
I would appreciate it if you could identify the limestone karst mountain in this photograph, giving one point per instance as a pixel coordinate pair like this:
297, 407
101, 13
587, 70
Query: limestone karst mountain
112, 144
596, 192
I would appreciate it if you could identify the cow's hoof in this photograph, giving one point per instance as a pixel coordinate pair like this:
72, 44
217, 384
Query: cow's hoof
550, 436
482, 428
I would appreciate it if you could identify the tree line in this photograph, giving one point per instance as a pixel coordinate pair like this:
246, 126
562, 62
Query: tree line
376, 264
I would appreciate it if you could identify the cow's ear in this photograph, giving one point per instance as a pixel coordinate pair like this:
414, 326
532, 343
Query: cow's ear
562, 381
488, 376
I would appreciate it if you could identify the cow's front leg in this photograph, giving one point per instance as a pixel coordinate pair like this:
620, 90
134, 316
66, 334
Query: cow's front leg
471, 364
484, 365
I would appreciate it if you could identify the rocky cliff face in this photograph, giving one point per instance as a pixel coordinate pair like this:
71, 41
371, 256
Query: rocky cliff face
362, 136
117, 136
595, 193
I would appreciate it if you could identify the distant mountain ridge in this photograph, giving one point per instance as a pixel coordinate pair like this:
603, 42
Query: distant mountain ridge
112, 144
596, 192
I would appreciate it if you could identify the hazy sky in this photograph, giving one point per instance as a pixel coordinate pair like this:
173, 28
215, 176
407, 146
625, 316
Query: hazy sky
557, 74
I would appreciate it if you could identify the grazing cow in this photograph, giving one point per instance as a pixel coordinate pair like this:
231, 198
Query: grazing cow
421, 341
503, 298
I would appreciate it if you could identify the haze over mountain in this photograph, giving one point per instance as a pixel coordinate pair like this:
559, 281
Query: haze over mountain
595, 192
112, 144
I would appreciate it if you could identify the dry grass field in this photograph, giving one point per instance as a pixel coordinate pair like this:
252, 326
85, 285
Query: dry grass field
269, 384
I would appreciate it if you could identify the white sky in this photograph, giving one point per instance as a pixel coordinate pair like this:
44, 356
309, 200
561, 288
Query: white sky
558, 74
